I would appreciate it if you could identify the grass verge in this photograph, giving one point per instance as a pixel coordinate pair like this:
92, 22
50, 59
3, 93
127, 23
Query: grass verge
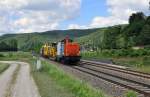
6, 56
3, 67
139, 63
136, 63
48, 87
131, 94
76, 87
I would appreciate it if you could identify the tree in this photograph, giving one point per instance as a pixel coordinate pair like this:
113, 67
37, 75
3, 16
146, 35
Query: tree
135, 17
144, 38
134, 31
4, 46
13, 45
121, 42
110, 37
148, 20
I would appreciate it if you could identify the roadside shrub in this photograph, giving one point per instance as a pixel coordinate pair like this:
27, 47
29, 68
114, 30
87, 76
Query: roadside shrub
147, 47
146, 60
116, 53
133, 53
10, 54
131, 94
1, 55
121, 52
142, 52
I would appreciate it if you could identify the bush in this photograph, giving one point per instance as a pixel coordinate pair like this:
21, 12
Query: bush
121, 52
1, 55
146, 60
147, 47
10, 54
131, 52
130, 94
117, 53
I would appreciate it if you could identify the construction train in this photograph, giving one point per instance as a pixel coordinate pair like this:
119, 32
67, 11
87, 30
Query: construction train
65, 51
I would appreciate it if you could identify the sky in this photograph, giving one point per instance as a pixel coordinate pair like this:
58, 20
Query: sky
25, 16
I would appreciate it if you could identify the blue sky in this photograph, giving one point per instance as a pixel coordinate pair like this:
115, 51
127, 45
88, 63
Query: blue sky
89, 10
25, 16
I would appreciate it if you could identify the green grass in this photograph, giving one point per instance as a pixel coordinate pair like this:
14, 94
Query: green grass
131, 94
48, 87
140, 62
79, 88
15, 56
3, 67
52, 74
136, 63
115, 53
145, 69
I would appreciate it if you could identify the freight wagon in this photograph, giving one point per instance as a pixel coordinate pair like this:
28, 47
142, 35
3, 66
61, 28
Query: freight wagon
45, 50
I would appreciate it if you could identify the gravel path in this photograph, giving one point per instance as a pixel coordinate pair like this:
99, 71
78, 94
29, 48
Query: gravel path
24, 85
5, 79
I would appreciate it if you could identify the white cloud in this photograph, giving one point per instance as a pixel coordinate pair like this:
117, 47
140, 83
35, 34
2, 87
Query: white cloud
123, 9
119, 11
33, 15
76, 26
40, 15
3, 27
73, 26
106, 21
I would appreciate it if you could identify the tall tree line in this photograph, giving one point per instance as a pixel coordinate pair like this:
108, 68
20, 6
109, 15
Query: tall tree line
10, 45
136, 33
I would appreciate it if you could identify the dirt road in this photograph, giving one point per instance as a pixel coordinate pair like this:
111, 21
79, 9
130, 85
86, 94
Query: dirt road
16, 81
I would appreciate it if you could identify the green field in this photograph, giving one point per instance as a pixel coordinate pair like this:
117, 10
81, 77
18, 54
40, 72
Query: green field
137, 63
3, 67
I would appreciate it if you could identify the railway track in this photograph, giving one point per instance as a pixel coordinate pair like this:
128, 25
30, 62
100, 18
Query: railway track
109, 66
134, 80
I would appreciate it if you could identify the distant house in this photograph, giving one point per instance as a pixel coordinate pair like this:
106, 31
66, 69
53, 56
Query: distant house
138, 47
